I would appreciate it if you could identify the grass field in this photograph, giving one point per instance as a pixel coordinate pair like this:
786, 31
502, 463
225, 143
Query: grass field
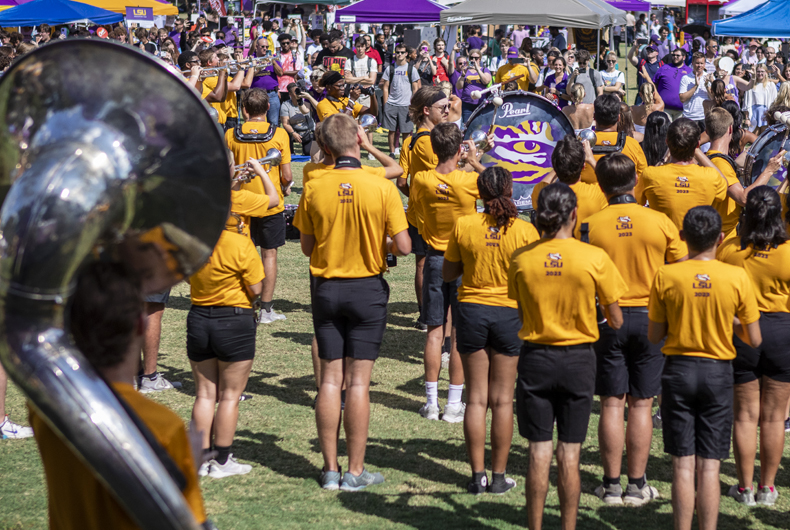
424, 462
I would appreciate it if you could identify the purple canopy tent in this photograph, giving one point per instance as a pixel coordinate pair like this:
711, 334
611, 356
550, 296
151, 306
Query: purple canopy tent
630, 5
386, 11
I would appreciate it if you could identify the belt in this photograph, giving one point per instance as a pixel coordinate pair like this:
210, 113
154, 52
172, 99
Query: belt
433, 252
221, 311
640, 309
564, 349
694, 359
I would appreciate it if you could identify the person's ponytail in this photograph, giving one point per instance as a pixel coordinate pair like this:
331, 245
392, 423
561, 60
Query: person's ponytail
555, 204
495, 185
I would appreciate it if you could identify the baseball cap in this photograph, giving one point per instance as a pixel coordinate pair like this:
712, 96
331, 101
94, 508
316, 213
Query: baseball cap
512, 53
649, 49
102, 33
655, 38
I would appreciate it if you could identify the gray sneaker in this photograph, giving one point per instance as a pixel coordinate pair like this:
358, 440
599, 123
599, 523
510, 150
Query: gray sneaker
430, 412
267, 317
635, 496
454, 412
330, 480
365, 479
612, 494
766, 496
745, 497
155, 383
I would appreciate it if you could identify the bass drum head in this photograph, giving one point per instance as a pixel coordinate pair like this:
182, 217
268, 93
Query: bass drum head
527, 128
767, 146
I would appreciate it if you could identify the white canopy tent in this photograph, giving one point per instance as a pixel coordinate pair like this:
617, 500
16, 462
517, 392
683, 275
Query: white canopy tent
670, 3
583, 14
739, 6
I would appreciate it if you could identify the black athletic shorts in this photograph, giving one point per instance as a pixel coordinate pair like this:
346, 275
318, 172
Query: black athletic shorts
158, 298
486, 326
418, 244
437, 294
268, 232
349, 316
555, 383
223, 333
696, 406
628, 363
772, 358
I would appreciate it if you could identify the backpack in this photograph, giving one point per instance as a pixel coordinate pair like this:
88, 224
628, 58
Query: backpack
371, 67
729, 160
416, 137
607, 149
409, 71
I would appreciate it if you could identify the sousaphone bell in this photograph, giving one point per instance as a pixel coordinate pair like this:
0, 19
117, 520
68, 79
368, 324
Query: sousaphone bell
128, 169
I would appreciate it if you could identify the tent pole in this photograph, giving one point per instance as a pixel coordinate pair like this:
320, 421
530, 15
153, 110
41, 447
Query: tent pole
598, 50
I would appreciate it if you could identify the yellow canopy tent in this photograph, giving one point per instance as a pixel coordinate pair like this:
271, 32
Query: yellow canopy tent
119, 6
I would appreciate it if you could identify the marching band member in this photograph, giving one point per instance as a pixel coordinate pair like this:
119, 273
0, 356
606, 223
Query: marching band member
693, 304
479, 250
268, 231
607, 116
344, 217
429, 107
639, 241
555, 281
762, 374
221, 328
442, 195
335, 101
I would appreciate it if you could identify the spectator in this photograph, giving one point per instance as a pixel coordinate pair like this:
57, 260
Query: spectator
589, 78
693, 91
557, 39
400, 82
668, 79
759, 99
473, 78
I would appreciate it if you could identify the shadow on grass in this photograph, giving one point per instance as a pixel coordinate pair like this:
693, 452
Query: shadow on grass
303, 339
290, 390
179, 303
263, 448
771, 517
395, 401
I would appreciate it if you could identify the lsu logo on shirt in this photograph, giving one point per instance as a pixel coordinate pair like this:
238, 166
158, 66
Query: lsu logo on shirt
493, 236
682, 184
702, 285
624, 226
554, 262
443, 192
346, 193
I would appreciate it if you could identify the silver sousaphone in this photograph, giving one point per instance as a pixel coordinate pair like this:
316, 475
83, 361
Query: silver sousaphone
104, 154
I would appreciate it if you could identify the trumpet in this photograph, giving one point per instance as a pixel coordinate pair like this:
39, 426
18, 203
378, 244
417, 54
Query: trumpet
273, 158
589, 135
369, 123
479, 139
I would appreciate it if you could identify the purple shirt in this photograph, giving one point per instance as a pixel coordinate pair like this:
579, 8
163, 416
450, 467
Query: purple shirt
176, 36
551, 82
518, 36
472, 83
667, 81
475, 43
267, 79
454, 79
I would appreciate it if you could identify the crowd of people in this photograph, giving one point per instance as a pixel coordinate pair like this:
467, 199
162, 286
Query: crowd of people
653, 267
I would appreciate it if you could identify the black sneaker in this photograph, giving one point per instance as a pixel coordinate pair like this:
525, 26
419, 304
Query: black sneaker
501, 484
478, 484
245, 397
418, 324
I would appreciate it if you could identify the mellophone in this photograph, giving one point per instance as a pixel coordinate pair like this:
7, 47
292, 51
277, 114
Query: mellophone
772, 141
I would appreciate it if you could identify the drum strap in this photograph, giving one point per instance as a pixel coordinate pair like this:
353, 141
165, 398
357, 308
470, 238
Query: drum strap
585, 233
416, 137
728, 158
607, 149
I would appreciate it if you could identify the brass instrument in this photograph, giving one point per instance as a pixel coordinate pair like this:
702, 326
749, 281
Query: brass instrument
273, 158
369, 123
100, 171
232, 67
589, 135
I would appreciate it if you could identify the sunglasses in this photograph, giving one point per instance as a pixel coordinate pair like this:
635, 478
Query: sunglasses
611, 62
443, 108
400, 53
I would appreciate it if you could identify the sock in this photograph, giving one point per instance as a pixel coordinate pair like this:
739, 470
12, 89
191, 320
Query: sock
447, 344
454, 395
607, 481
223, 453
638, 482
432, 392
151, 376
267, 306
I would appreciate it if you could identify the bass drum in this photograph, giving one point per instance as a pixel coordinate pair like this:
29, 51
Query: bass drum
767, 145
526, 129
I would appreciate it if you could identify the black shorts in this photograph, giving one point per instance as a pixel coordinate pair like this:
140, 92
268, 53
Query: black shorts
437, 294
555, 383
268, 232
628, 363
772, 358
696, 406
349, 317
486, 326
158, 298
223, 333
418, 244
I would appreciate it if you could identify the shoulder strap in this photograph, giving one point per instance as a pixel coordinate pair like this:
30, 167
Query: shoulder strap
592, 80
409, 72
726, 157
607, 149
416, 137
585, 232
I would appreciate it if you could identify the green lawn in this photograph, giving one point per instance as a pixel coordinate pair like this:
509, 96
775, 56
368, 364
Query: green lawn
424, 462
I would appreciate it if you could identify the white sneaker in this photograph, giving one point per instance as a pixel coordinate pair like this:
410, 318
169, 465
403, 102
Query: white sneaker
445, 360
228, 469
204, 469
454, 412
430, 412
371, 157
157, 383
267, 317
396, 153
9, 429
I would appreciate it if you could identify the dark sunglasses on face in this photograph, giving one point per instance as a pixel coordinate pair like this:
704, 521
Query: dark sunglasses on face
400, 53
611, 62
